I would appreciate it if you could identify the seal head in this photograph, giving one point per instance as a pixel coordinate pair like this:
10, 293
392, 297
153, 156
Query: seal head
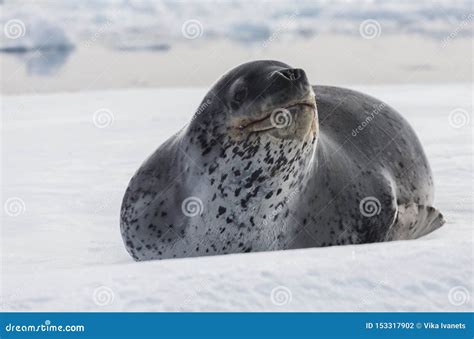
247, 147
259, 168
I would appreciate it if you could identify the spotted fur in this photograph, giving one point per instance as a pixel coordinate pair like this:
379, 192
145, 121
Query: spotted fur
292, 187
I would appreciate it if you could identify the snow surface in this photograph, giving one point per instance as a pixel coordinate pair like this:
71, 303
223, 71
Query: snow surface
67, 159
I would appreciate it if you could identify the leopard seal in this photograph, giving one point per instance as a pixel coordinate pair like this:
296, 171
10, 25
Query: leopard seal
269, 162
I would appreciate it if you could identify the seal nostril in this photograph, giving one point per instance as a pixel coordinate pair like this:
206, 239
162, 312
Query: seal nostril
291, 73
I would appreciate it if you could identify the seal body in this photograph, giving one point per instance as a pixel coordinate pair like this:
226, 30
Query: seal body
269, 162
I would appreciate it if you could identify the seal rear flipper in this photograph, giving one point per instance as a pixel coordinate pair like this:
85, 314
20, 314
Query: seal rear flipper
414, 221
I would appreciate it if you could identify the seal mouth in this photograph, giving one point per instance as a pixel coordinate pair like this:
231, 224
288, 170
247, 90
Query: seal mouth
278, 118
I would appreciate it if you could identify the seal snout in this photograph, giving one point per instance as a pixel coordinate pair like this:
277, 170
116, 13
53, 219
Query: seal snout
274, 100
291, 74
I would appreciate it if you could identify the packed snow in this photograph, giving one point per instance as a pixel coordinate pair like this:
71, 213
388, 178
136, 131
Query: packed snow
68, 157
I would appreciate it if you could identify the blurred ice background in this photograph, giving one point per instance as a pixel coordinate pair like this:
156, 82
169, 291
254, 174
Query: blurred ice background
96, 44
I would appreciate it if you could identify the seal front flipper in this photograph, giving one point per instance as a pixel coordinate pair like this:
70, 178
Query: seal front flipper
414, 221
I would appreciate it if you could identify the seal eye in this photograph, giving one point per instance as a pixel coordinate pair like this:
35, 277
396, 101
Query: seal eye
240, 95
